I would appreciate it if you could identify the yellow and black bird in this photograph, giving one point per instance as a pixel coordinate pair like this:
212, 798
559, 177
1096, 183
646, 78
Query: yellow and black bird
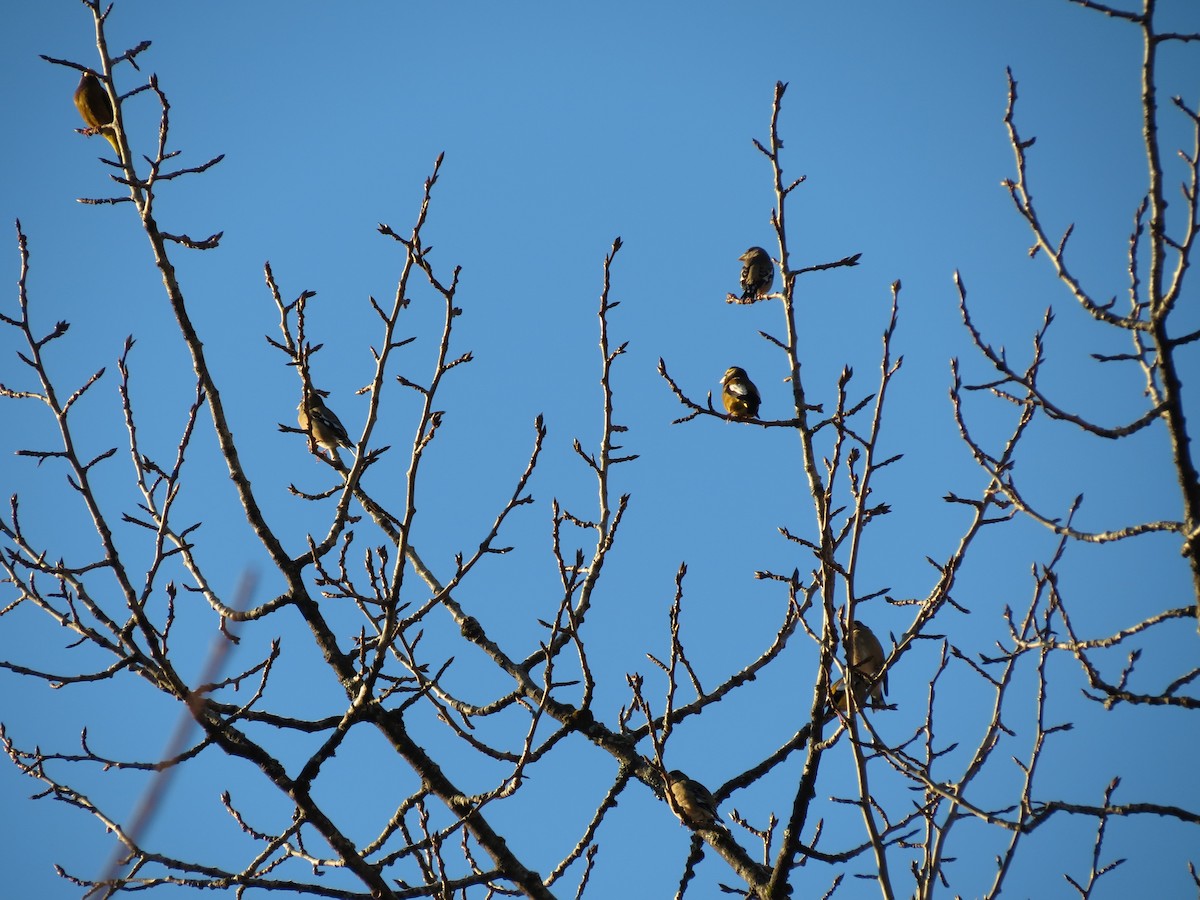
319, 421
93, 104
694, 805
864, 659
758, 274
739, 394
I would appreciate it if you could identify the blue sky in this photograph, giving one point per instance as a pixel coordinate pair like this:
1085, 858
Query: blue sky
564, 127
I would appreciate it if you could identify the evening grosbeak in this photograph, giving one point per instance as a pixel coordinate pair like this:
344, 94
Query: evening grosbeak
93, 104
318, 420
694, 804
758, 274
739, 394
864, 659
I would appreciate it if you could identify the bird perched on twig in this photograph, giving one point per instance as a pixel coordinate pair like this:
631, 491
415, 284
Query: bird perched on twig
321, 424
758, 274
864, 659
739, 394
694, 805
91, 99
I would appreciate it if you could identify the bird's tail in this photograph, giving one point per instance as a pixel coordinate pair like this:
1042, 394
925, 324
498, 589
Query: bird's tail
110, 135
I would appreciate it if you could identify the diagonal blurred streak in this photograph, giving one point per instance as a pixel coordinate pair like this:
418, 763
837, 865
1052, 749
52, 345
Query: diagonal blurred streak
152, 799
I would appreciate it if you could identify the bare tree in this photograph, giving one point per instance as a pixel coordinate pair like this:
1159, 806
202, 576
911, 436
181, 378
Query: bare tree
459, 754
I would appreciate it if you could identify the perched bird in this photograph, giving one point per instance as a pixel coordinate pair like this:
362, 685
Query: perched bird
320, 422
739, 394
93, 104
758, 274
693, 803
864, 659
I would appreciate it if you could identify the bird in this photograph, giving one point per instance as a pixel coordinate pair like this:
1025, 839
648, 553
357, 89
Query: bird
864, 659
319, 421
91, 99
739, 394
694, 805
758, 274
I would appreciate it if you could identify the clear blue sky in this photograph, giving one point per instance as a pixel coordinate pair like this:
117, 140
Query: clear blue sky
564, 127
